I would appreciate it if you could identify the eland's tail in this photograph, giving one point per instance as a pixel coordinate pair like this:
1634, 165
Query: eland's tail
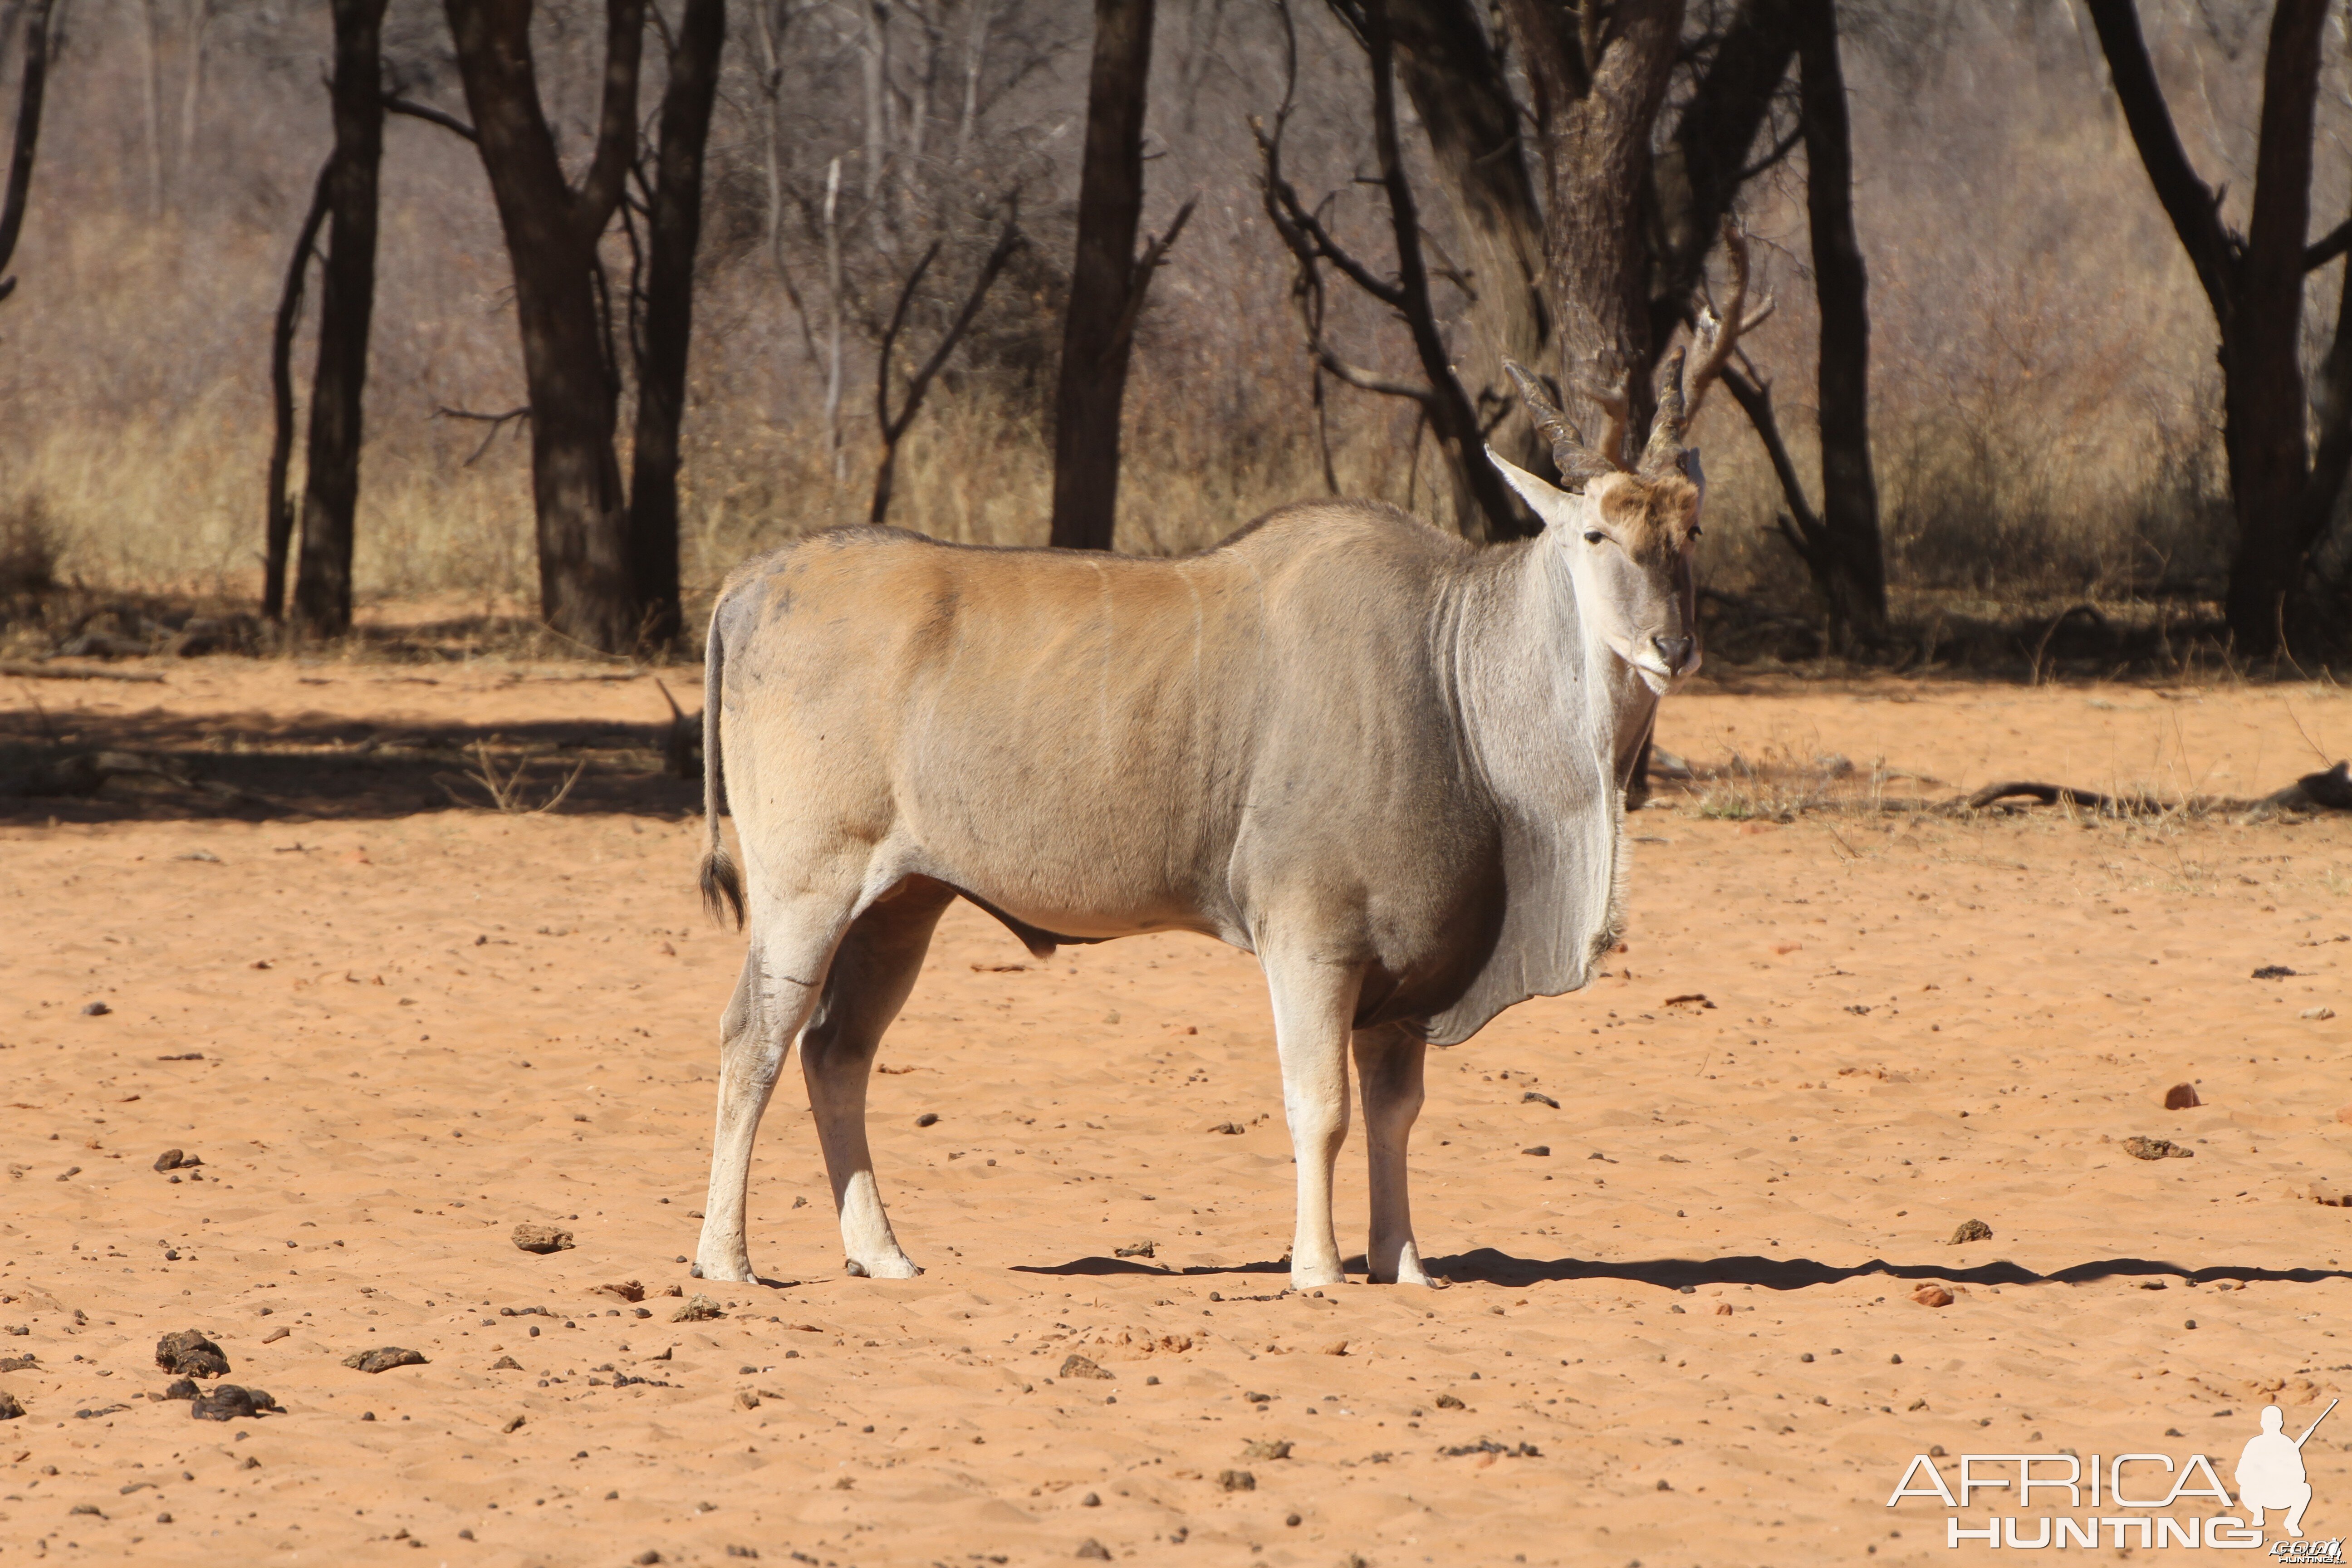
722, 882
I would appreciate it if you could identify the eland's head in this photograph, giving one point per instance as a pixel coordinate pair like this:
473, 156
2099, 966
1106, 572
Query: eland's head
1629, 533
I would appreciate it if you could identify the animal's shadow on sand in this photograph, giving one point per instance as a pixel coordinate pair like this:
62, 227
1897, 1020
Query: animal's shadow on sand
1487, 1265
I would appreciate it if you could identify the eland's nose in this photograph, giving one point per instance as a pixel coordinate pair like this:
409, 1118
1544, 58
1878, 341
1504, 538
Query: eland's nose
1675, 651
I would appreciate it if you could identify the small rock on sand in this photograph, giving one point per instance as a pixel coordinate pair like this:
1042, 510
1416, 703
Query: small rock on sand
1080, 1366
177, 1160
515, 1425
1723, 1309
1932, 1296
1094, 1551
228, 1403
928, 1119
1266, 1448
95, 1010
506, 1363
1971, 1230
1139, 1249
627, 1290
1532, 1098
9, 1409
2156, 1149
2181, 1097
1237, 1480
1230, 1128
2333, 1193
191, 1354
541, 1238
384, 1358
1450, 1401
700, 1309
1542, 1150
2317, 1013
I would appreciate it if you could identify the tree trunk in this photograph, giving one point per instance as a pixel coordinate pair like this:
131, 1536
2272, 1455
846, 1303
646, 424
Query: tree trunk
1853, 575
1597, 77
677, 230
2255, 285
2263, 394
1459, 93
330, 490
1699, 172
1099, 332
551, 233
27, 135
277, 530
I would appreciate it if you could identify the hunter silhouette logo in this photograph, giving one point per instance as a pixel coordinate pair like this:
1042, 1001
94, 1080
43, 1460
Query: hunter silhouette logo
2270, 1474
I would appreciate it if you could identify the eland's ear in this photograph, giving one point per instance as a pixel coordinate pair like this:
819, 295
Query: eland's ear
1556, 507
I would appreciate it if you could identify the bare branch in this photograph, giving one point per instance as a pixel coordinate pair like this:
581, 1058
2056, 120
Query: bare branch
893, 428
495, 421
616, 130
2328, 247
395, 104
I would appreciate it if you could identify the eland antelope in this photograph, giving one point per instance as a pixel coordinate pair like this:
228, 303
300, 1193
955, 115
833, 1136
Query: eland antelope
1389, 763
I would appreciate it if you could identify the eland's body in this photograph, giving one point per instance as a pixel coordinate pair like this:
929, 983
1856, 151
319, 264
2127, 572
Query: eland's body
1389, 763
1385, 761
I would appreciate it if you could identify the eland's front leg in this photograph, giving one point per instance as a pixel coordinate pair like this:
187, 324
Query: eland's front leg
869, 982
1312, 1004
1388, 1062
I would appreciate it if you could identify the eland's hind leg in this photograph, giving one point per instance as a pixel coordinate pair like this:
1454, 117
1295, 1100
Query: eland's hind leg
1388, 1062
782, 968
868, 982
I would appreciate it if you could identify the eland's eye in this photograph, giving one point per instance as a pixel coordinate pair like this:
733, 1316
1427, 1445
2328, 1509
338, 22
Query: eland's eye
1593, 536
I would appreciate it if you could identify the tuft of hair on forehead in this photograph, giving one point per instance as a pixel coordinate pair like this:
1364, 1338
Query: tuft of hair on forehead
1652, 516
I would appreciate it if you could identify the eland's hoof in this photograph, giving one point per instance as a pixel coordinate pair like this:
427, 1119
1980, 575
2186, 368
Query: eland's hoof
899, 1268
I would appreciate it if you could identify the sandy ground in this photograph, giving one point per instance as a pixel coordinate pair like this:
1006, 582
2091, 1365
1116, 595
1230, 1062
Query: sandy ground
394, 1027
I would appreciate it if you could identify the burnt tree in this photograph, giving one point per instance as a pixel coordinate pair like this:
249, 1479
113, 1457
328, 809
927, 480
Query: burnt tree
2255, 283
674, 222
552, 227
331, 487
1105, 282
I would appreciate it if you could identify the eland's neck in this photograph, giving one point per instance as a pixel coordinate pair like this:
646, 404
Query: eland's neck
1532, 672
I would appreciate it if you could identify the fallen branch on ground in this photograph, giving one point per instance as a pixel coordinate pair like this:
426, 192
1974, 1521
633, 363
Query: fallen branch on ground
28, 671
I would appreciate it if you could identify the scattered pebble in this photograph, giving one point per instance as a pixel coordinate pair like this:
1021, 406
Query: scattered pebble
1090, 1501
9, 1409
1232, 1129
1139, 1249
191, 1354
1542, 1150
1080, 1366
1094, 1551
1450, 1401
384, 1358
928, 1119
2181, 1097
1237, 1480
515, 1425
541, 1238
2274, 972
1532, 1098
627, 1290
1932, 1296
95, 1010
1971, 1230
2317, 1012
177, 1160
1266, 1448
2156, 1149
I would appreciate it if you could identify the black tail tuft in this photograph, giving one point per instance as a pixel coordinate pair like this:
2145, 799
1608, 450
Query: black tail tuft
722, 886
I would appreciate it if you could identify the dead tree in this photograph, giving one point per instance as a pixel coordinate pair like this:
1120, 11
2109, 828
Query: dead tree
552, 227
1482, 502
279, 529
27, 136
331, 488
893, 426
674, 222
1597, 74
2255, 283
1107, 282
1841, 543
